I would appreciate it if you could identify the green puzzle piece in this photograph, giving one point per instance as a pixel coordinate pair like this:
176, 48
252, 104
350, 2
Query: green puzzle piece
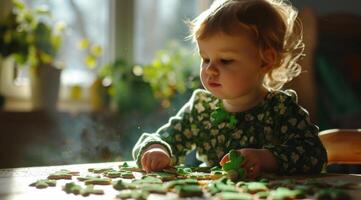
133, 194
125, 164
184, 171
43, 183
63, 174
77, 189
100, 170
147, 180
113, 174
95, 180
220, 115
282, 193
221, 185
234, 196
189, 191
122, 185
174, 183
72, 188
234, 166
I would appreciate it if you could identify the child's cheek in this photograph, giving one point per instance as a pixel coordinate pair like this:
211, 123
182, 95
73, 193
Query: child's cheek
245, 81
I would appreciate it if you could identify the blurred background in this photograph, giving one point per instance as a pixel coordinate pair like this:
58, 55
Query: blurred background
80, 80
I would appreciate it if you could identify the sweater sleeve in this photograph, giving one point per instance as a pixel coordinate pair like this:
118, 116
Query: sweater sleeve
299, 149
176, 136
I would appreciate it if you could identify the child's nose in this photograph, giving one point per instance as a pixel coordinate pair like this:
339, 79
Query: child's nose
212, 70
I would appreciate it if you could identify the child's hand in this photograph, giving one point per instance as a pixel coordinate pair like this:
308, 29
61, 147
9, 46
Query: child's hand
155, 159
256, 160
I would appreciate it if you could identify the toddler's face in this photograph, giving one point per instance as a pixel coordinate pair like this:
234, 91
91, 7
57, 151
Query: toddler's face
231, 65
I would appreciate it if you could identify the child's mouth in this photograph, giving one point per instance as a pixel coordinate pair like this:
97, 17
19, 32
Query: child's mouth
213, 84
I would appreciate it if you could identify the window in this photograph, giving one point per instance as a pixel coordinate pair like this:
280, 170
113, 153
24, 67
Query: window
84, 19
155, 23
158, 22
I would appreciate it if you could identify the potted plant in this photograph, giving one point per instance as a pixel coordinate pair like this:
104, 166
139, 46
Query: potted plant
27, 39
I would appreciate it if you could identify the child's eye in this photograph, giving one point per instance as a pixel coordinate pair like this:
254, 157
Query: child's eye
226, 61
205, 60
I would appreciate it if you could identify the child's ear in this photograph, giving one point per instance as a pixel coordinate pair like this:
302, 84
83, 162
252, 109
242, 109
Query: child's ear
269, 59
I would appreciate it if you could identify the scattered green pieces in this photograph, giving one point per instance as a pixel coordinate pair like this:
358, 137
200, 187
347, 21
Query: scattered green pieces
283, 193
132, 194
172, 184
233, 167
221, 185
216, 168
184, 171
121, 185
43, 183
234, 196
113, 174
164, 176
127, 175
189, 191
199, 176
126, 167
95, 180
262, 195
154, 188
84, 178
201, 169
63, 174
98, 181
72, 188
89, 189
77, 189
217, 172
332, 194
147, 180
125, 164
100, 170
254, 187
188, 182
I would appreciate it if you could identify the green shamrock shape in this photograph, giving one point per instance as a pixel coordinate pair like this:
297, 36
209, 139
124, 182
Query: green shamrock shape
233, 167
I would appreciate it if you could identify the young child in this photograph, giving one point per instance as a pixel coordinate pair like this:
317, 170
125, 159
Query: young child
249, 50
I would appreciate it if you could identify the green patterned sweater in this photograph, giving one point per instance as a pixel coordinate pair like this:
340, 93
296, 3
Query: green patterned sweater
278, 124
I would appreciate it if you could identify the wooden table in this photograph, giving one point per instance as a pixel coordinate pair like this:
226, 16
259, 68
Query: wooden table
14, 183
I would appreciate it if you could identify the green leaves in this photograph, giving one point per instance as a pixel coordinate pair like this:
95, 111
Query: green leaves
18, 4
25, 36
93, 52
172, 71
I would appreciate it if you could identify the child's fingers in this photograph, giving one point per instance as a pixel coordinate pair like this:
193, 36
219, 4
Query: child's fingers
147, 162
154, 164
161, 164
253, 171
143, 161
224, 159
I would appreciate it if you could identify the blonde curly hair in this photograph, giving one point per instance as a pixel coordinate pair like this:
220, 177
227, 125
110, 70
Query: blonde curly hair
269, 23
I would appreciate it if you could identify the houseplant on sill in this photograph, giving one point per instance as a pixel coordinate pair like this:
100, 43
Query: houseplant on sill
29, 41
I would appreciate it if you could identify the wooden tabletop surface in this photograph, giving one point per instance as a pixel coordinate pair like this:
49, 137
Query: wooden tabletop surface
14, 183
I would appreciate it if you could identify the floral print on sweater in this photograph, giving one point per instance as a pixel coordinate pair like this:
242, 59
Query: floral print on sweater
278, 124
